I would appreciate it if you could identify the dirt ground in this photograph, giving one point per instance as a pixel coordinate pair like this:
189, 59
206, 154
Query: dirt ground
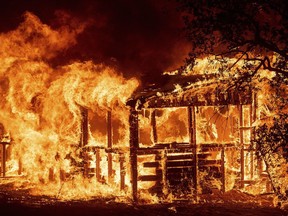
22, 204
75, 209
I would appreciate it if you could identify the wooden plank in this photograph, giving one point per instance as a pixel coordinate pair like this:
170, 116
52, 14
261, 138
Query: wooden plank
223, 170
20, 167
154, 150
109, 145
179, 175
242, 165
3, 159
179, 169
180, 157
98, 168
193, 141
134, 145
154, 126
251, 120
209, 162
122, 171
148, 151
151, 164
203, 155
180, 163
172, 145
150, 178
84, 127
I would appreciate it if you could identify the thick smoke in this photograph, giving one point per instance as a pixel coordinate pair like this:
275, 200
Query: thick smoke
140, 38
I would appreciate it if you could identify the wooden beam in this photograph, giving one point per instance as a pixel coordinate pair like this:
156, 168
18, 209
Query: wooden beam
134, 145
252, 152
3, 162
154, 126
241, 131
109, 145
122, 171
20, 168
98, 168
84, 127
223, 169
192, 138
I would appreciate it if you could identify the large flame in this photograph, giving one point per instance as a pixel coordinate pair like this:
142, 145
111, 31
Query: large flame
41, 106
41, 109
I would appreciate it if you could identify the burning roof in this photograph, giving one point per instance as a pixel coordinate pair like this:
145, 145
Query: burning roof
196, 90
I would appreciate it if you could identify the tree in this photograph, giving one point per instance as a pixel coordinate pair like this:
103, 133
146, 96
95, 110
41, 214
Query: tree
250, 38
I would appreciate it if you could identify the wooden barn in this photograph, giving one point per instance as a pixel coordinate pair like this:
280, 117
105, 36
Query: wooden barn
194, 137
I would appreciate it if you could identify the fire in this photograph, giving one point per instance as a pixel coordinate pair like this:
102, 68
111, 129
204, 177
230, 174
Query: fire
70, 133
41, 110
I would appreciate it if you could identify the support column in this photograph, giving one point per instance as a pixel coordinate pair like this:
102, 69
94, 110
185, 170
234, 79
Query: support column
252, 151
84, 127
122, 171
134, 144
3, 162
223, 168
253, 131
192, 141
154, 128
84, 139
109, 146
97, 168
242, 162
20, 168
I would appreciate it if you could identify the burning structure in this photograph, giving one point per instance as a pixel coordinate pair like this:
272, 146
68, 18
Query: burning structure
76, 134
185, 141
194, 139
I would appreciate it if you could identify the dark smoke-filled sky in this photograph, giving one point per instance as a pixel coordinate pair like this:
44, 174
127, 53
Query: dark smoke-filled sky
141, 37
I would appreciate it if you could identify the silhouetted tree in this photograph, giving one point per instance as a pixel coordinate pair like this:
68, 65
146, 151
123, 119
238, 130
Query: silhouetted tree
254, 31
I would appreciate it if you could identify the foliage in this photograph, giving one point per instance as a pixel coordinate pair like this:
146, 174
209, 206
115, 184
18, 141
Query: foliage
253, 31
274, 137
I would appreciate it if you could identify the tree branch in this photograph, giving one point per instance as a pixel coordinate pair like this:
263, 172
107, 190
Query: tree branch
267, 65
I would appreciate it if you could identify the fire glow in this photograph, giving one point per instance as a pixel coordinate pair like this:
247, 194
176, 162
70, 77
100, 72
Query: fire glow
68, 132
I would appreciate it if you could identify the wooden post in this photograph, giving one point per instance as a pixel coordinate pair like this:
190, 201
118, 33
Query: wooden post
51, 175
3, 159
192, 141
20, 168
86, 164
134, 144
122, 171
109, 146
252, 151
62, 175
164, 173
154, 128
97, 169
84, 127
84, 139
254, 118
223, 168
242, 162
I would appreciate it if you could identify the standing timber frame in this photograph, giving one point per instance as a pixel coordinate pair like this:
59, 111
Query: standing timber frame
109, 151
193, 152
3, 156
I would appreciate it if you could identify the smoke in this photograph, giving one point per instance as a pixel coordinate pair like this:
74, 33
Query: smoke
141, 38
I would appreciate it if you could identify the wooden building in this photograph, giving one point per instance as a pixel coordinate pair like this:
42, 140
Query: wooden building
215, 152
